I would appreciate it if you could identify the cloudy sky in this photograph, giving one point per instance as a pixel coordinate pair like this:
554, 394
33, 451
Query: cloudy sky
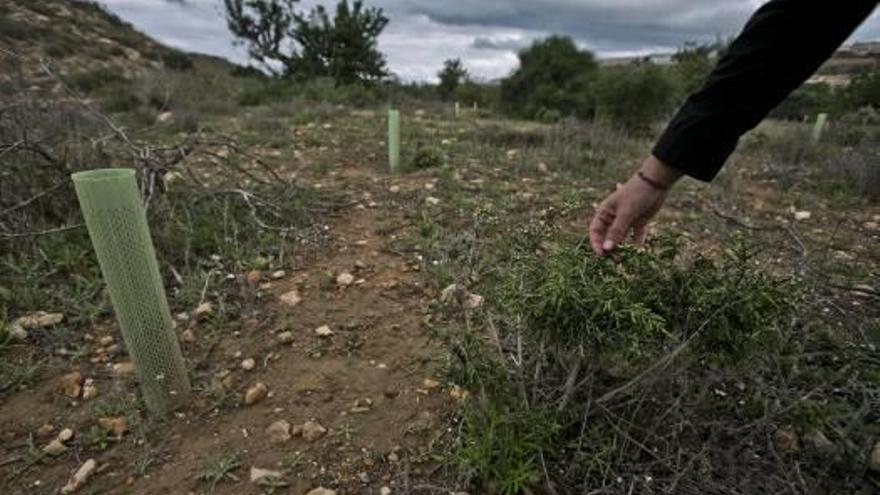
486, 34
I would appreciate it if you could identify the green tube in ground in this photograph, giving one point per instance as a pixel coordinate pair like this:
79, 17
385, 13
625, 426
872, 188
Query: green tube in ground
393, 140
819, 128
117, 224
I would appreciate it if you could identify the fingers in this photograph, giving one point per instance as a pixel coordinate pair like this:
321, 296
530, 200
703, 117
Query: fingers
603, 218
617, 232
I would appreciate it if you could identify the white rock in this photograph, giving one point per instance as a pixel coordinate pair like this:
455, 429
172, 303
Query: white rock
278, 274
55, 447
203, 310
385, 491
344, 279
39, 319
285, 337
432, 201
90, 390
542, 168
291, 298
80, 477
65, 435
474, 301
248, 364
802, 215
279, 431
17, 332
321, 491
323, 331
448, 294
394, 189
258, 474
255, 394
311, 431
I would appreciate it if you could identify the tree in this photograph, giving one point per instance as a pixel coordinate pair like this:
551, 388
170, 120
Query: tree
554, 78
312, 45
863, 91
693, 63
634, 97
451, 77
264, 27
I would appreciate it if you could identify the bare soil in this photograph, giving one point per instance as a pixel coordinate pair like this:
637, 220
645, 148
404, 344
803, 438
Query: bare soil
365, 383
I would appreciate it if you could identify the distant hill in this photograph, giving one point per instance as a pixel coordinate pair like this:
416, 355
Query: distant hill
848, 61
79, 37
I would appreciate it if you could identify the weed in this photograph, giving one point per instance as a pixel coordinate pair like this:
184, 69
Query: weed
221, 469
270, 484
293, 461
14, 376
502, 447
96, 438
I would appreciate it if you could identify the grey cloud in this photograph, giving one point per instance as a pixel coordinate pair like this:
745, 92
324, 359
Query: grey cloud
485, 34
503, 44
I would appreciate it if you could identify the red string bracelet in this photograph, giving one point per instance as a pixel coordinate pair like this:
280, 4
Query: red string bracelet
652, 182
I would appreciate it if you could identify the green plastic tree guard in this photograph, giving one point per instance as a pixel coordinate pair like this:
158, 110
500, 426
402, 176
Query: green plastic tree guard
393, 140
117, 224
819, 128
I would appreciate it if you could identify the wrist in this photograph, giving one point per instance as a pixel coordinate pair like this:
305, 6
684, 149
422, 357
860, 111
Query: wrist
658, 174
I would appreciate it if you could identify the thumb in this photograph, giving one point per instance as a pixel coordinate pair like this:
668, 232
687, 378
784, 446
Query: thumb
617, 231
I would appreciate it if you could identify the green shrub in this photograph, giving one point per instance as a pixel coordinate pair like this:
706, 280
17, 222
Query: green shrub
634, 97
427, 157
554, 75
12, 29
120, 99
570, 300
177, 60
89, 81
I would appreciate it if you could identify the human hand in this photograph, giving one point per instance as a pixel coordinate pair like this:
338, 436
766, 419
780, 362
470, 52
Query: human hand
632, 206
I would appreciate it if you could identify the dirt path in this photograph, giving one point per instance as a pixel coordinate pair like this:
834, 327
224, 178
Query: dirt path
365, 383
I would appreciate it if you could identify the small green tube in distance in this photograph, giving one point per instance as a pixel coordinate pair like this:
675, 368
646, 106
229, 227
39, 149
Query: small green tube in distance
117, 223
393, 140
819, 128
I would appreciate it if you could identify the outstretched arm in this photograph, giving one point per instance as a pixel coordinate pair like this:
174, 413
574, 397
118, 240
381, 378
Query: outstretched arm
783, 43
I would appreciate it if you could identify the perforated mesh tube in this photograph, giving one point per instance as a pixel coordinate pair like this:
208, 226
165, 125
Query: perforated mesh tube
393, 140
117, 224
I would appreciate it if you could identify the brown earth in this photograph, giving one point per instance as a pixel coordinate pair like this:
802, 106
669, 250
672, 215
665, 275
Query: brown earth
366, 383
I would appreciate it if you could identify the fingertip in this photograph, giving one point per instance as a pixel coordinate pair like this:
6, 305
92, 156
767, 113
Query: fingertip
608, 245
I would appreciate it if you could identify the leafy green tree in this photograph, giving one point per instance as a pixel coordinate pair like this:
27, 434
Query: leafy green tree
451, 77
863, 91
634, 97
554, 78
693, 63
311, 45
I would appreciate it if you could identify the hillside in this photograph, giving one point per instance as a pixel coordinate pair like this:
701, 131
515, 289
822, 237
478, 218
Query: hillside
77, 38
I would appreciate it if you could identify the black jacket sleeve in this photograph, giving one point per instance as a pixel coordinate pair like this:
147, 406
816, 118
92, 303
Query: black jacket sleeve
783, 43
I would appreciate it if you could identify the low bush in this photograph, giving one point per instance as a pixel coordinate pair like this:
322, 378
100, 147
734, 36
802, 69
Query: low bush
587, 370
427, 157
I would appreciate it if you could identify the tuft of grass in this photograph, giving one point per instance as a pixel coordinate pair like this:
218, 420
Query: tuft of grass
502, 447
221, 469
